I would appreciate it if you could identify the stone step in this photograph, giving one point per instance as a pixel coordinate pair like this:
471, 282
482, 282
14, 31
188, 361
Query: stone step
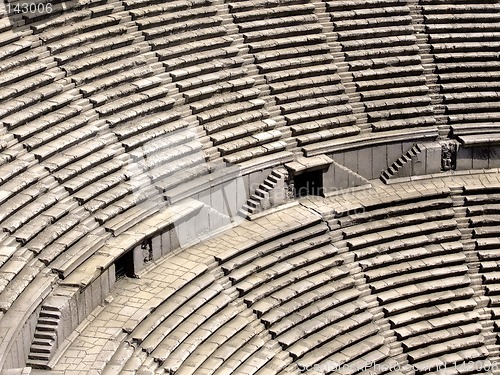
39, 357
48, 321
43, 341
35, 348
48, 335
49, 308
52, 314
253, 202
46, 327
246, 211
37, 364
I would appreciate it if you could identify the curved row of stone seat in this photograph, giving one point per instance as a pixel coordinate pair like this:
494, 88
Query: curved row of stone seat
482, 211
90, 168
380, 47
463, 38
418, 277
293, 56
195, 45
225, 326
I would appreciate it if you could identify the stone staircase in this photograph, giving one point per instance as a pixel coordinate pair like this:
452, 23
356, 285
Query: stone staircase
265, 195
345, 75
409, 164
346, 178
416, 12
45, 341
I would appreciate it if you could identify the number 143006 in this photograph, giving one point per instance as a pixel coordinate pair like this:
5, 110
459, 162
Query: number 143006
26, 8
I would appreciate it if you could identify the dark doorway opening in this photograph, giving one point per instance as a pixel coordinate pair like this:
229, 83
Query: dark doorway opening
309, 183
124, 266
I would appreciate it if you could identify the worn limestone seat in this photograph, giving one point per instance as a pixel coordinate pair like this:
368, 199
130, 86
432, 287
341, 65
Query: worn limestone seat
482, 212
296, 64
104, 98
378, 41
464, 37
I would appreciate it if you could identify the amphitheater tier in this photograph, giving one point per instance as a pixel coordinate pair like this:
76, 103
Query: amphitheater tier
132, 132
395, 278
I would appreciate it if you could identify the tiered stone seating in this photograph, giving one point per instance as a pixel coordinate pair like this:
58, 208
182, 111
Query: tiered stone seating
65, 222
293, 56
13, 169
378, 42
172, 355
19, 281
483, 213
417, 277
109, 108
195, 46
31, 210
292, 290
38, 206
119, 200
47, 95
464, 42
88, 169
51, 252
84, 246
49, 98
203, 302
311, 271
131, 108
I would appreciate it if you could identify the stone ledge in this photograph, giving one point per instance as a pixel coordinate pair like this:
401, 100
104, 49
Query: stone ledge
442, 175
479, 139
302, 164
92, 268
371, 139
